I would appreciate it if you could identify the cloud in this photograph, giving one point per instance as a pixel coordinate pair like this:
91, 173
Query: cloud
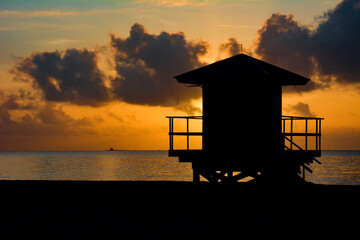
284, 42
189, 109
146, 64
337, 40
30, 14
63, 41
49, 27
47, 120
115, 116
55, 13
302, 109
65, 76
23, 100
5, 118
38, 118
331, 51
234, 26
51, 115
232, 47
7, 29
176, 3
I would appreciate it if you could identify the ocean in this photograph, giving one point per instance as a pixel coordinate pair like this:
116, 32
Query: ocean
337, 168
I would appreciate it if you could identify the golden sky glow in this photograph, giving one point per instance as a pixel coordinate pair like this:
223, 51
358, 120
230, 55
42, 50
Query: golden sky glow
31, 121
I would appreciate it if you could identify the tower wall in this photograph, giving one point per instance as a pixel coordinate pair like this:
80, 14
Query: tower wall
241, 116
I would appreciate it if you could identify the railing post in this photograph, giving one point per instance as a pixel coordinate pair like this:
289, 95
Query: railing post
284, 120
306, 133
187, 133
291, 133
317, 135
289, 136
170, 133
284, 130
172, 136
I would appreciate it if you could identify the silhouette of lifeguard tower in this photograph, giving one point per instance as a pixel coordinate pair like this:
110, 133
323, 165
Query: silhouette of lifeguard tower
244, 135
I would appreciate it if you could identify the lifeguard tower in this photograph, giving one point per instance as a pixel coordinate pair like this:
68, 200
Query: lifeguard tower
244, 135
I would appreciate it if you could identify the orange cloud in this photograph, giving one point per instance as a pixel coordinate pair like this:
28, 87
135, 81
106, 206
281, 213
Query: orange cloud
146, 64
144, 68
302, 109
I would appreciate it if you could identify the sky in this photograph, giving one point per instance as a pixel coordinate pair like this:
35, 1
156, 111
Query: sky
94, 75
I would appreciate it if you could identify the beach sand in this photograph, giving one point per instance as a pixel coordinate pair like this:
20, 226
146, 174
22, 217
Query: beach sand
176, 210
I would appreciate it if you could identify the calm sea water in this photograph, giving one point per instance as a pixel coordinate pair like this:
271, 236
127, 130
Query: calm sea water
338, 167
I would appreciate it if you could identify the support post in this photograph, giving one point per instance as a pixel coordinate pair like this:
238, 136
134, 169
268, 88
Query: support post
196, 175
291, 133
319, 134
303, 172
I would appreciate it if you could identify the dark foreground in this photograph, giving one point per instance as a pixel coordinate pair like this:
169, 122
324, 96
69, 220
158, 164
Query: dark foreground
176, 210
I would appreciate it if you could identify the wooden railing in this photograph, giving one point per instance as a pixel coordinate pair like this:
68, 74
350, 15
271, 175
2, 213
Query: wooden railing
289, 134
188, 133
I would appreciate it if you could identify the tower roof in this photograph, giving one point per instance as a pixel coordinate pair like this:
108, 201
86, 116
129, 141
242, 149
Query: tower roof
241, 67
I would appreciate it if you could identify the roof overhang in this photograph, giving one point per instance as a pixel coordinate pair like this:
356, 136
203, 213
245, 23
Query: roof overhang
241, 68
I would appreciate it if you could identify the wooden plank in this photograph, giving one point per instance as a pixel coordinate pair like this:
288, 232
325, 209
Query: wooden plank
185, 133
299, 118
301, 134
185, 117
231, 133
185, 153
244, 155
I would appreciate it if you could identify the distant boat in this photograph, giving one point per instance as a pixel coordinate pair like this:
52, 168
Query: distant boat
112, 149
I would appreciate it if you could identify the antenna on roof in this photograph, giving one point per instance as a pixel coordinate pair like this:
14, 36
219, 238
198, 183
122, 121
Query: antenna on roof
241, 48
